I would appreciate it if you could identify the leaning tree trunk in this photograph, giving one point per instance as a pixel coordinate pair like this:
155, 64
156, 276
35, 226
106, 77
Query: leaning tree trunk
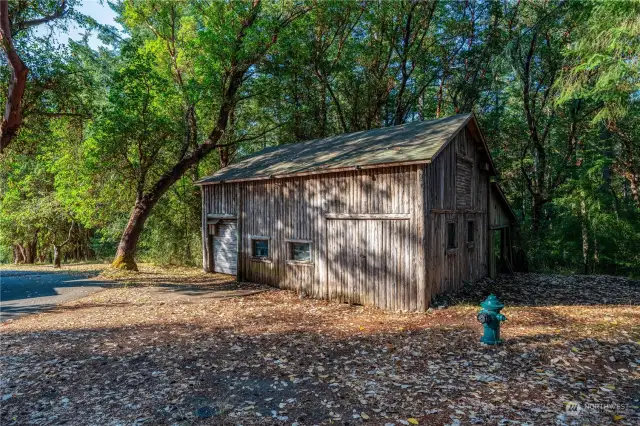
127, 248
129, 241
23, 252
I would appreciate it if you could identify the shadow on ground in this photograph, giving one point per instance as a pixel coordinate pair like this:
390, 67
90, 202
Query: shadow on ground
274, 358
203, 373
549, 290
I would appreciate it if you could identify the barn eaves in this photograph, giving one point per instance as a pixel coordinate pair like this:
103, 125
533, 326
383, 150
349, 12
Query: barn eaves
411, 143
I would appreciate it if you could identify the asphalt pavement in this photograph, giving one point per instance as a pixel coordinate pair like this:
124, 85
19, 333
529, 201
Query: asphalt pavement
27, 292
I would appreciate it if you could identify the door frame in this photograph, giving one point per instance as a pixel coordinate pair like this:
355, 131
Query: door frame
364, 299
212, 239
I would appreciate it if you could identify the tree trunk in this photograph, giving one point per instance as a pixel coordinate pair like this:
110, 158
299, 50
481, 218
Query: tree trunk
440, 96
56, 256
18, 256
633, 185
29, 255
536, 215
585, 236
596, 258
129, 242
144, 204
12, 119
23, 253
30, 249
225, 159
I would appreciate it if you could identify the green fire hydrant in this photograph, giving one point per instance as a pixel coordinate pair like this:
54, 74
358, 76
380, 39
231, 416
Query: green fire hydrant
490, 317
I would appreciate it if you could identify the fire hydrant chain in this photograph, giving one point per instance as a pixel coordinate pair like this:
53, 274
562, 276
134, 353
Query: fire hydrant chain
490, 317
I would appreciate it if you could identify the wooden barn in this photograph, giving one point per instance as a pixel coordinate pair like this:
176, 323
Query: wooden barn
388, 217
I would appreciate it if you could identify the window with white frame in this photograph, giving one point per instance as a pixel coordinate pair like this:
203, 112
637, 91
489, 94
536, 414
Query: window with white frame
300, 251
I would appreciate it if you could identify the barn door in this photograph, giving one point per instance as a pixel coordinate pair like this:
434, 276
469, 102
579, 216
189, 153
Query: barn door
225, 247
347, 260
368, 262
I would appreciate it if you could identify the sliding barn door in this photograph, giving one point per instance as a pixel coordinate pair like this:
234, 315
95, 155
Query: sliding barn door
369, 262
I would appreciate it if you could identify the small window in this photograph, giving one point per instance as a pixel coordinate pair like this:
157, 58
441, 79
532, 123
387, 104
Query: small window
300, 251
260, 247
451, 235
471, 237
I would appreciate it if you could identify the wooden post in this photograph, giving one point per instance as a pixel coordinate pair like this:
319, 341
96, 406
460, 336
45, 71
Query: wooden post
424, 293
206, 264
240, 238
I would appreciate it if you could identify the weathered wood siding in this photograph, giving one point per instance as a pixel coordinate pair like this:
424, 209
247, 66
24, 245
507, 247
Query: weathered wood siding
456, 191
499, 215
379, 236
367, 259
216, 199
225, 247
500, 230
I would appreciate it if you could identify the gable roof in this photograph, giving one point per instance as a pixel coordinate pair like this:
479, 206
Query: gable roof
410, 143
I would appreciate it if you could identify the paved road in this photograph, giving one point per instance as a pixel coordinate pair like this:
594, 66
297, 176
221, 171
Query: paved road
26, 292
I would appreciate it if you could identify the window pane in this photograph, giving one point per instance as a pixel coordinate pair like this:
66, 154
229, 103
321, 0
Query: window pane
451, 235
261, 248
301, 251
470, 231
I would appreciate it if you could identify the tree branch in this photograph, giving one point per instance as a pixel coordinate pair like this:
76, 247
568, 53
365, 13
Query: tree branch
257, 136
60, 12
12, 119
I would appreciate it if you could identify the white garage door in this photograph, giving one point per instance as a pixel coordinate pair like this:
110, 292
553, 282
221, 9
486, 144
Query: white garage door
225, 247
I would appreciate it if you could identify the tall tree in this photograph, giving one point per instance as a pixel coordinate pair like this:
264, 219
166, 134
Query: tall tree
16, 18
250, 30
537, 60
607, 73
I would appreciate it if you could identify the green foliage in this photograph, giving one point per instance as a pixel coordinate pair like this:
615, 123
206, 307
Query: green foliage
171, 237
555, 86
605, 49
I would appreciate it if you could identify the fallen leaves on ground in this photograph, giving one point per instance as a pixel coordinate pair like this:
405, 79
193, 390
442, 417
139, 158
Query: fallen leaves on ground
161, 353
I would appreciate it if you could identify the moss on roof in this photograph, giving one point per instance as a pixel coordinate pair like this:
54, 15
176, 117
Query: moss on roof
411, 142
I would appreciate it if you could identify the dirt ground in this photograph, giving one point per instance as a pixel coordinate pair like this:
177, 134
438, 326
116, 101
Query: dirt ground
176, 347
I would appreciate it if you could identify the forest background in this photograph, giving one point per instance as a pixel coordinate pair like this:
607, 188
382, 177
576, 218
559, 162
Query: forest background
101, 145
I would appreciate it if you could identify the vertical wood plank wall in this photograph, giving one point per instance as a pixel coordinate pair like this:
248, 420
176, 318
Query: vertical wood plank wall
499, 216
407, 261
447, 269
295, 208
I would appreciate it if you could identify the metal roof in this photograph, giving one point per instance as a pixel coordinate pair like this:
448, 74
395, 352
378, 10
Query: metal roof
416, 142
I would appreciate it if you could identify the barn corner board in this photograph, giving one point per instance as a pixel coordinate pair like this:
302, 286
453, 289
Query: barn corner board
388, 217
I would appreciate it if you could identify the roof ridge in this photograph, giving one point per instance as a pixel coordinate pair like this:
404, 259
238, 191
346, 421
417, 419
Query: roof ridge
416, 141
